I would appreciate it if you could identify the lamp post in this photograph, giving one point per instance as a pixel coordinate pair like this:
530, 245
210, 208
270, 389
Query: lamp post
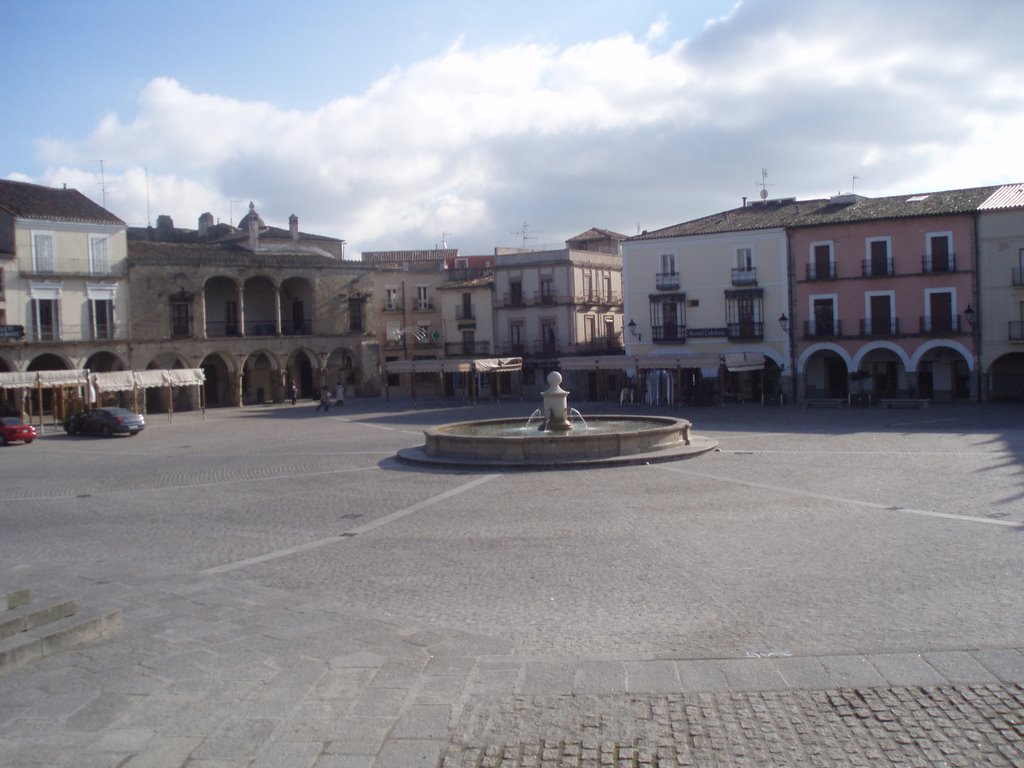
784, 322
633, 331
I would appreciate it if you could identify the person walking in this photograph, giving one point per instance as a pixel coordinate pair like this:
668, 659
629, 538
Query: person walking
325, 399
339, 394
293, 391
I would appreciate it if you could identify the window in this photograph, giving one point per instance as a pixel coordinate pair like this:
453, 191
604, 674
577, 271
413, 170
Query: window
880, 320
744, 312
44, 258
588, 286
101, 318
589, 328
465, 310
939, 257
824, 324
548, 336
609, 327
391, 299
515, 336
46, 319
667, 279
461, 262
608, 289
547, 295
940, 318
422, 302
515, 293
822, 265
744, 273
668, 322
99, 254
181, 326
879, 261
355, 315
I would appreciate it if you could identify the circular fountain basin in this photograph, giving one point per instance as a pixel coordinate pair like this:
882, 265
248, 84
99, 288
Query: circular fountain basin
519, 444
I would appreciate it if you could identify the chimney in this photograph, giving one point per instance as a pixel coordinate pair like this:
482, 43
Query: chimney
164, 224
293, 226
205, 224
254, 227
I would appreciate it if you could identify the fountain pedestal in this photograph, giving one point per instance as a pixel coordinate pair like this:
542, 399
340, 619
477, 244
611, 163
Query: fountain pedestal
556, 405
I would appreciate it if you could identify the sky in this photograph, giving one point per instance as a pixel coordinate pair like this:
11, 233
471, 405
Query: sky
409, 124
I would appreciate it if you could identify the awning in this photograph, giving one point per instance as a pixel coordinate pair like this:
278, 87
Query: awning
484, 365
16, 379
117, 381
637, 362
743, 361
113, 381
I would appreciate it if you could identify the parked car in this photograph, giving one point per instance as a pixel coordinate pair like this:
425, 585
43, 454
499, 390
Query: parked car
12, 430
105, 421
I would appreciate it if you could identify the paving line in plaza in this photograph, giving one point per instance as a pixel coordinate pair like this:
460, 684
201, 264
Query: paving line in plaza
381, 521
841, 500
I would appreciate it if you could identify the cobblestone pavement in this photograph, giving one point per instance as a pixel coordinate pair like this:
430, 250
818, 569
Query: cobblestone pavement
833, 588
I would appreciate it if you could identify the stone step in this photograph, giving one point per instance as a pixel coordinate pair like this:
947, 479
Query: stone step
71, 632
26, 617
15, 599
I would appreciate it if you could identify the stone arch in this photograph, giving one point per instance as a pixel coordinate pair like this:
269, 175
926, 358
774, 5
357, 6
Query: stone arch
941, 344
302, 366
298, 306
1005, 378
185, 398
261, 378
221, 374
888, 377
824, 371
340, 366
55, 399
221, 303
104, 361
260, 306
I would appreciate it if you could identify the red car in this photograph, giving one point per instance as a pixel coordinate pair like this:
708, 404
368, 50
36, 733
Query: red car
13, 431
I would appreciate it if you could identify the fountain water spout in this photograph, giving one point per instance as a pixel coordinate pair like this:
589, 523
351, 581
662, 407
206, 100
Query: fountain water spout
556, 405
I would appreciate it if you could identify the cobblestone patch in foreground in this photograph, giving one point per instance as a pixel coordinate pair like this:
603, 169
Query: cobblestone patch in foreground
943, 726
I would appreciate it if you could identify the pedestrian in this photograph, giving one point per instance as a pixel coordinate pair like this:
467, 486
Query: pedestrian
293, 391
339, 394
325, 399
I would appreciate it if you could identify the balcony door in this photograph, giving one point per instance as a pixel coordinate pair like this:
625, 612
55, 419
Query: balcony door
746, 316
669, 321
881, 315
940, 308
941, 261
879, 257
824, 317
822, 261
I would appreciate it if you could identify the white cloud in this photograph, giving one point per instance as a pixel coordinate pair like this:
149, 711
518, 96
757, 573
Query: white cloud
604, 133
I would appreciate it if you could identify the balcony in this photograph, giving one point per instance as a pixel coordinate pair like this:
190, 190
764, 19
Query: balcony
604, 345
668, 334
598, 299
464, 314
392, 306
423, 306
1017, 277
745, 330
260, 328
666, 281
77, 333
940, 326
545, 298
467, 348
72, 268
821, 271
744, 276
303, 328
877, 267
1016, 331
546, 348
931, 264
822, 329
221, 328
512, 300
880, 326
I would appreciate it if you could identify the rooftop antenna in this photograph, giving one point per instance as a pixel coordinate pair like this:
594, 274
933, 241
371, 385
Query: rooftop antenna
444, 239
523, 232
149, 218
853, 184
763, 184
231, 211
103, 184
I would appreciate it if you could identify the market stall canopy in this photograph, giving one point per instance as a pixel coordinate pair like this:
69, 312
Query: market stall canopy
116, 381
744, 361
15, 379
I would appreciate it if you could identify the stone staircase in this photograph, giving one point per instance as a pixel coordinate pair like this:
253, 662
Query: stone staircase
29, 632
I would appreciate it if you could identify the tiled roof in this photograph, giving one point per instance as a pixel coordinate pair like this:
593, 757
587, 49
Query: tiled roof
33, 201
596, 233
846, 209
150, 253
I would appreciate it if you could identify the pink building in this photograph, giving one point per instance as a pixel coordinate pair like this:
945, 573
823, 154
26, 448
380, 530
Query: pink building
882, 306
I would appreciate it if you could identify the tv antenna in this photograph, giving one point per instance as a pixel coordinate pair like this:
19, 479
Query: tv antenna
231, 211
444, 239
524, 232
763, 184
853, 183
103, 184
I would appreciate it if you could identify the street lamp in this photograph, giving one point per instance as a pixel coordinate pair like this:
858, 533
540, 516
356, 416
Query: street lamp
969, 316
784, 322
633, 331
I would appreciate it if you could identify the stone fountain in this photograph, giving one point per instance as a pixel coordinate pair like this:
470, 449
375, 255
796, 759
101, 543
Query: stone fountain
558, 443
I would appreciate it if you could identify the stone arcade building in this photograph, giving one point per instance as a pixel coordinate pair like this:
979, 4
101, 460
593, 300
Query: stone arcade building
254, 306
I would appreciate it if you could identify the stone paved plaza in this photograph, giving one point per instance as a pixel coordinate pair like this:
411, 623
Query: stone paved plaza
828, 588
